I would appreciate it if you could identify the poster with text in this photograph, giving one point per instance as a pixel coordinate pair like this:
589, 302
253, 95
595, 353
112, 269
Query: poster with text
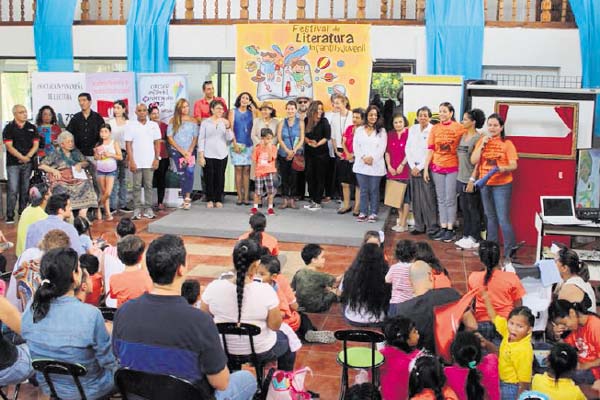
162, 90
59, 90
280, 62
108, 87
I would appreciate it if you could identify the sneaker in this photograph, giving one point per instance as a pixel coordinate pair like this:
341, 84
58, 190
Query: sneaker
253, 210
464, 241
270, 211
399, 228
475, 243
310, 204
319, 337
315, 207
449, 236
372, 218
137, 214
361, 218
438, 235
416, 232
149, 214
126, 210
9, 220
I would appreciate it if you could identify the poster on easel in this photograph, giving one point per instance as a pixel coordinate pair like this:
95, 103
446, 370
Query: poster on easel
59, 90
162, 90
108, 87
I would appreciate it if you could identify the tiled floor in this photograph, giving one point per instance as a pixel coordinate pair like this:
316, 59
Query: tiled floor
320, 358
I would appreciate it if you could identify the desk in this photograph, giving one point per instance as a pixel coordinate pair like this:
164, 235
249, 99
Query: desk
544, 229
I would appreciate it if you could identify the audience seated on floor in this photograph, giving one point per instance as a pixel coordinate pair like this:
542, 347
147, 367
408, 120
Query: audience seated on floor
96, 285
258, 224
110, 263
134, 280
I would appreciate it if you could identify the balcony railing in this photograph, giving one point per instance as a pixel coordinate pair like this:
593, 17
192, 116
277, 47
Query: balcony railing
535, 13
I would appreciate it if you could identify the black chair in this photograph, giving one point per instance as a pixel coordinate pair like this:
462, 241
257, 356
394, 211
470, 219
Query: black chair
359, 357
55, 367
234, 361
4, 396
149, 386
108, 313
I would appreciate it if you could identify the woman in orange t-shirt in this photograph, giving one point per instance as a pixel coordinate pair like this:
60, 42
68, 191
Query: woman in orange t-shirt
442, 159
494, 150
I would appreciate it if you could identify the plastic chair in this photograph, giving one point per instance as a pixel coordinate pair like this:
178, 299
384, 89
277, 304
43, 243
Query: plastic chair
359, 357
108, 313
234, 361
47, 367
149, 386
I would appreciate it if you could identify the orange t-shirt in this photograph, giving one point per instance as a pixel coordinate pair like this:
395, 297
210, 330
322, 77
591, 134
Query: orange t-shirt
267, 240
97, 289
286, 297
496, 153
504, 288
428, 394
444, 140
264, 159
586, 340
441, 280
129, 285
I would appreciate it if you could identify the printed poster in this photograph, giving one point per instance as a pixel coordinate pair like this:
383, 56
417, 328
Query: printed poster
163, 90
280, 62
59, 90
106, 88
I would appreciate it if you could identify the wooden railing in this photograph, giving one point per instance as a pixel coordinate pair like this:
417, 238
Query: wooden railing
537, 13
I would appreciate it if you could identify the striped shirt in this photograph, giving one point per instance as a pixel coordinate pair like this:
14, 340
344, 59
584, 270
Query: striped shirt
401, 288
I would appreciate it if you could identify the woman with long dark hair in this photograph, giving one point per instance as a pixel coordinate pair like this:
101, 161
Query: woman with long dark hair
241, 120
574, 287
497, 157
316, 153
58, 326
48, 129
365, 294
118, 197
290, 135
370, 142
424, 252
251, 302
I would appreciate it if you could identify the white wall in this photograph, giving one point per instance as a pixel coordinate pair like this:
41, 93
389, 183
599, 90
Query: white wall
516, 47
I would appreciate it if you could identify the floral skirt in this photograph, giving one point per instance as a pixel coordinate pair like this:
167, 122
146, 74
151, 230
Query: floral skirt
81, 192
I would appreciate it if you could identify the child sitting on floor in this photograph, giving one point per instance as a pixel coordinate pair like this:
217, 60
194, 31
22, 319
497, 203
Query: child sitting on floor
315, 290
398, 274
427, 380
401, 340
92, 265
270, 271
190, 291
556, 383
134, 281
258, 224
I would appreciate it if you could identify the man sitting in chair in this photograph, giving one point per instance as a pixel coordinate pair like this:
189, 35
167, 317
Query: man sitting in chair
162, 326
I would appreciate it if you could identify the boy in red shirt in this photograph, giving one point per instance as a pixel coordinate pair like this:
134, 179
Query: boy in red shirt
92, 264
264, 156
134, 281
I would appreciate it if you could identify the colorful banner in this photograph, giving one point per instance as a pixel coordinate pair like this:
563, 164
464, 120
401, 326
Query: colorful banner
280, 62
108, 87
163, 90
59, 90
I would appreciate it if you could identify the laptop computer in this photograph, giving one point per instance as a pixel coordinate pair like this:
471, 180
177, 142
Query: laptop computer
559, 210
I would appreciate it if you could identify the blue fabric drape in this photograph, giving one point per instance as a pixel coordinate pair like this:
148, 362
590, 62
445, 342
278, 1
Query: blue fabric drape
148, 35
53, 35
454, 31
587, 16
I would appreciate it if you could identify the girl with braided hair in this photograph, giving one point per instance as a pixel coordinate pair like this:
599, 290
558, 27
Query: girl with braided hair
250, 301
504, 288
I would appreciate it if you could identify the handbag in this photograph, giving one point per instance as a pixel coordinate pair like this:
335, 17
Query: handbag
298, 162
286, 385
394, 193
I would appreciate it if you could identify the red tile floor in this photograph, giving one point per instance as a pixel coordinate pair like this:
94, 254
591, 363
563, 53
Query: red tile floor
319, 357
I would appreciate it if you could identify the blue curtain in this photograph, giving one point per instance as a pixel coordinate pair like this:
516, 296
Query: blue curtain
148, 35
587, 16
53, 35
455, 37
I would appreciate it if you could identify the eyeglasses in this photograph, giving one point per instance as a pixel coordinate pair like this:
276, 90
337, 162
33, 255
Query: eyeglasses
207, 83
302, 101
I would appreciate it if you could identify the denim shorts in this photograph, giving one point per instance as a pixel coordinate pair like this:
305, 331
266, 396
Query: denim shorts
111, 173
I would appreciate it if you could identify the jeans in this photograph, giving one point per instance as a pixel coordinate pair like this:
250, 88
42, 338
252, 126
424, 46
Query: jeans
143, 176
583, 376
20, 370
509, 391
470, 204
242, 386
488, 331
214, 179
496, 205
280, 351
18, 185
118, 197
445, 188
369, 193
185, 173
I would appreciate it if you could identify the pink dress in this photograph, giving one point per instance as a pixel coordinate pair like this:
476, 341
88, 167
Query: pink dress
396, 148
457, 378
394, 373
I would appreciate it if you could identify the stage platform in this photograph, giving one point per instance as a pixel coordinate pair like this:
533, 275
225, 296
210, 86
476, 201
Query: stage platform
300, 226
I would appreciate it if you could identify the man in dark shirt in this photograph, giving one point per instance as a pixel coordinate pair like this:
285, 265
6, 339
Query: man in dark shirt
85, 126
161, 333
420, 308
21, 140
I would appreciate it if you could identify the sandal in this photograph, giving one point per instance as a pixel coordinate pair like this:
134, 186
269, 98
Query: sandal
187, 206
343, 210
210, 204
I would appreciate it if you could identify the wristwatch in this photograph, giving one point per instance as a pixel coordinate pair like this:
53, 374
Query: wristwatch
472, 179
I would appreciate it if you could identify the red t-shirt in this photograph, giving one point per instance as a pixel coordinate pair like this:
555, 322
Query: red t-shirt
97, 290
202, 107
504, 288
396, 150
129, 285
441, 280
348, 138
586, 340
286, 297
268, 241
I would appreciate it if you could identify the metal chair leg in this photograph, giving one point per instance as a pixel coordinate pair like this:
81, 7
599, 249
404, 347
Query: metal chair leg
344, 383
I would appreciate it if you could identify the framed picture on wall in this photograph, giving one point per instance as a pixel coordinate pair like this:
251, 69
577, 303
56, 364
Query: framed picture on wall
541, 129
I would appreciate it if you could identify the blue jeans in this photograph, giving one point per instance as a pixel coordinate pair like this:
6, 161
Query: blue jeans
509, 391
18, 185
496, 205
583, 376
242, 386
185, 173
118, 196
281, 352
369, 193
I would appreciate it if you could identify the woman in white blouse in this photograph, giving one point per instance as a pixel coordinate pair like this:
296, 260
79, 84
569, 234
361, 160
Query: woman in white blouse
370, 141
215, 133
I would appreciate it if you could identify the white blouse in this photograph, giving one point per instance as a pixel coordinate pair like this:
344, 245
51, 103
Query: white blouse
369, 146
213, 139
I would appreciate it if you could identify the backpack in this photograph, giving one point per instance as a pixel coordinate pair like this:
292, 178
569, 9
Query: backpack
28, 279
285, 385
